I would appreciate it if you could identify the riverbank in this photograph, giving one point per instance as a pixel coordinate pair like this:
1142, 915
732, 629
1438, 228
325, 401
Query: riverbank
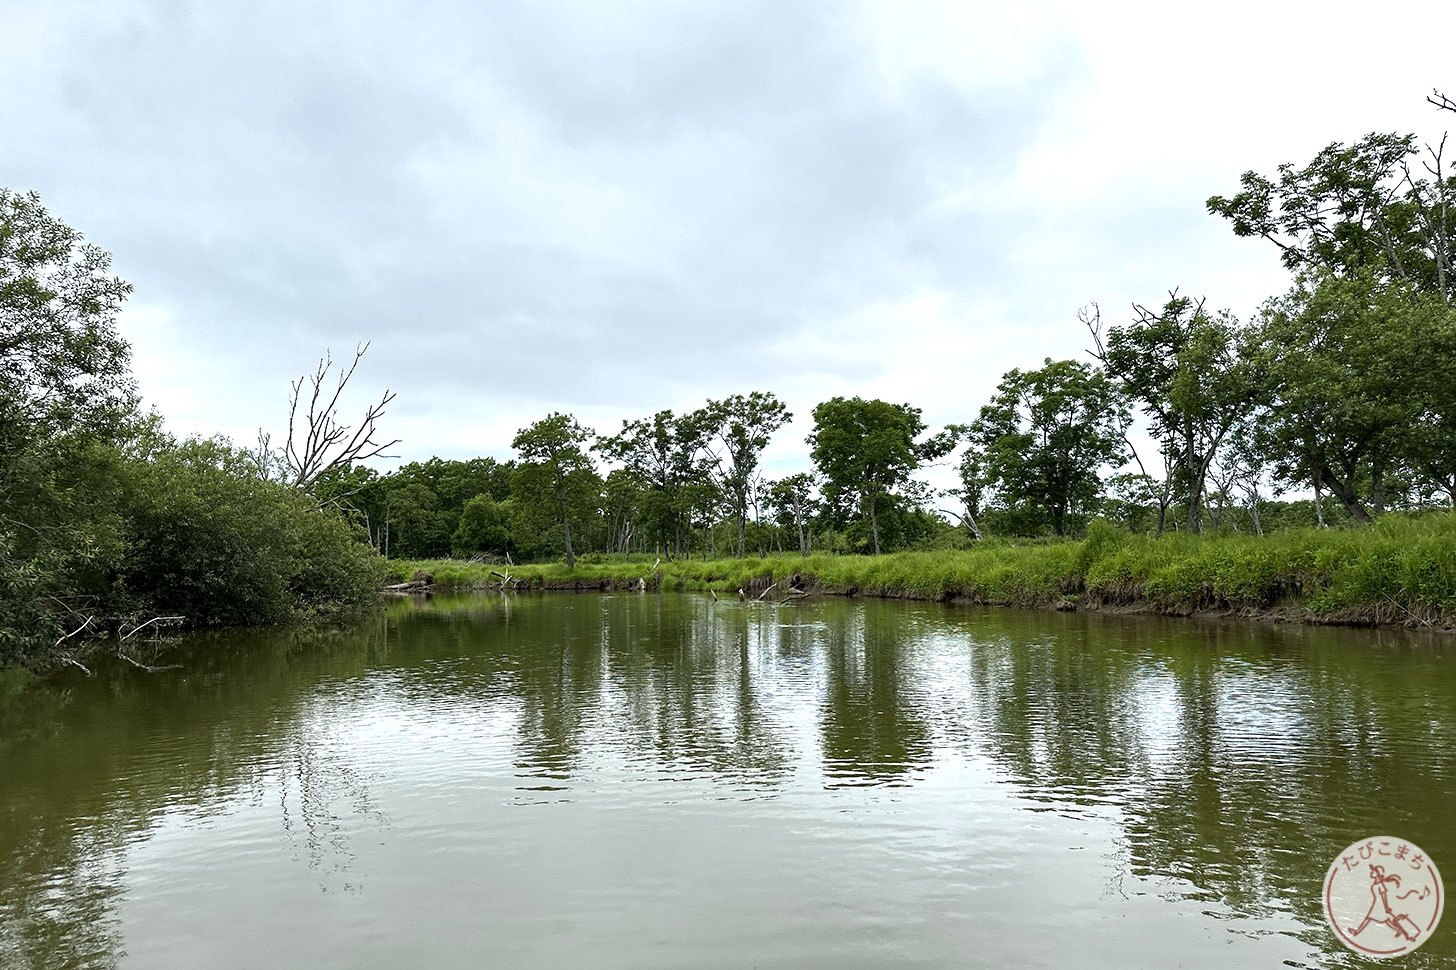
1401, 571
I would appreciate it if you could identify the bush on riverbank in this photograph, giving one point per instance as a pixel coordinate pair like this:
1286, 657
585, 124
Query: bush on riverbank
182, 529
209, 541
104, 519
1401, 570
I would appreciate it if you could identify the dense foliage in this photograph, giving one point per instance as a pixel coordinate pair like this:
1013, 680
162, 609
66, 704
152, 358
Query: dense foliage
105, 519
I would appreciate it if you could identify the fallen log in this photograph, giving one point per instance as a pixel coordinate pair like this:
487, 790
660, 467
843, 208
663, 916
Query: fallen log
413, 586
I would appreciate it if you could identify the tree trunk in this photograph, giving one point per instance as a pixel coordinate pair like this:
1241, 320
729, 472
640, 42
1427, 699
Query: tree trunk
566, 527
1347, 496
1166, 498
1195, 488
874, 526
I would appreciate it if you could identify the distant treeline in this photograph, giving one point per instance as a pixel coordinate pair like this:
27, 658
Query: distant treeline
1333, 405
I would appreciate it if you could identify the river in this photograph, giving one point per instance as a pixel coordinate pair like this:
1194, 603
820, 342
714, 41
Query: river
643, 781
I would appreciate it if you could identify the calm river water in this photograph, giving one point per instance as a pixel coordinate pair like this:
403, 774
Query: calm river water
643, 781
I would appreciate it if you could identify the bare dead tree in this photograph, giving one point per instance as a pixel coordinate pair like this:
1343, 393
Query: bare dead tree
1441, 101
1432, 211
1091, 318
317, 441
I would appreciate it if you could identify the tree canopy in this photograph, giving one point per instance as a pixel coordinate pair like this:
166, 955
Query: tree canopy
866, 450
1040, 442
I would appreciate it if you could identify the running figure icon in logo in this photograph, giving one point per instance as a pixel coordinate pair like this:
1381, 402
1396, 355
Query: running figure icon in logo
1383, 897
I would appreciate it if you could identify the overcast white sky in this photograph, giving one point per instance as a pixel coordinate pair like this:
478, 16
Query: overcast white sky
610, 208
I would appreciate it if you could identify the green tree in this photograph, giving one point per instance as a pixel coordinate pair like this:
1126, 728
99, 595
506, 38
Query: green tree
1181, 365
791, 499
67, 404
662, 453
621, 504
1346, 370
555, 472
734, 433
415, 527
485, 527
208, 540
867, 450
1044, 437
1362, 208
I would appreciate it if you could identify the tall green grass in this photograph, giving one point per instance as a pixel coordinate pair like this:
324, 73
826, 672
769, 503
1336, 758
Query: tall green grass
1401, 570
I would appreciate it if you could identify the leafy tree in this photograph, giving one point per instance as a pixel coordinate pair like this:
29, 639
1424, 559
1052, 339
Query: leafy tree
1345, 366
1356, 209
1133, 499
67, 403
791, 499
485, 527
1044, 437
663, 454
555, 471
867, 450
103, 515
415, 527
734, 433
1182, 367
63, 366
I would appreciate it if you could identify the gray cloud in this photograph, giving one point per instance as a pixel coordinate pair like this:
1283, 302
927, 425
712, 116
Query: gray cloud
574, 202
615, 208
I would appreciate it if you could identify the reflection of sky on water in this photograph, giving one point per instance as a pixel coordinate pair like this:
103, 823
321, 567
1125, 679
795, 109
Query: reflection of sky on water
884, 769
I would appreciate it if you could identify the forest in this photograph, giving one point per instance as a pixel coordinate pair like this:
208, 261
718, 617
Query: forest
1331, 407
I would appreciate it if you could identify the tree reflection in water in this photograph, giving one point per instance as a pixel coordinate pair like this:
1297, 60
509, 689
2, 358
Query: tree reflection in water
1234, 759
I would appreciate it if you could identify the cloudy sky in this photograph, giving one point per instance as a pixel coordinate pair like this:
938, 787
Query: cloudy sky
611, 208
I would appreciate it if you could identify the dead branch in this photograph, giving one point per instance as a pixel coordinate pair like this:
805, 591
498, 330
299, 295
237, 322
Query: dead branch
967, 520
77, 663
1091, 317
766, 592
78, 629
1440, 100
317, 441
147, 667
159, 620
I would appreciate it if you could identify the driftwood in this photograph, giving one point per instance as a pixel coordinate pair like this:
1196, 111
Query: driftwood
642, 580
83, 626
155, 624
159, 621
147, 667
76, 663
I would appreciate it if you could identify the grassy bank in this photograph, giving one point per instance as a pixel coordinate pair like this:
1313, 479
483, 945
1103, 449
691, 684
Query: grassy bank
1400, 571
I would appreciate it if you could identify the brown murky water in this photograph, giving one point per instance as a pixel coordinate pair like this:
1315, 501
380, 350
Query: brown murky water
664, 781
